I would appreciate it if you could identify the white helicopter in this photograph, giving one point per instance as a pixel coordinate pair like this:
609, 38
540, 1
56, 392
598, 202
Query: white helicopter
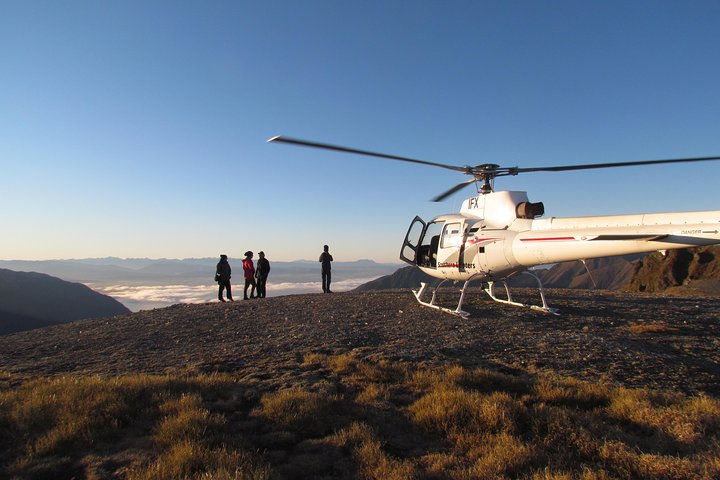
498, 235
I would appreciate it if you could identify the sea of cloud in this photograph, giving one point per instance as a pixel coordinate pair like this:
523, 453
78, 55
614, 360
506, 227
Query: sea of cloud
146, 297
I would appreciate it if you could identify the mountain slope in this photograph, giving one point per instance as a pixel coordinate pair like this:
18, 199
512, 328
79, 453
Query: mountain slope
31, 300
690, 270
406, 277
609, 273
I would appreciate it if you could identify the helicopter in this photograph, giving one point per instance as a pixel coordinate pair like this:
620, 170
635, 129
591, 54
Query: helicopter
498, 235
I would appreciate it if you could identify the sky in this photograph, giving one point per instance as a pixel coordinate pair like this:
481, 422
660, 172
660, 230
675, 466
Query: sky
138, 128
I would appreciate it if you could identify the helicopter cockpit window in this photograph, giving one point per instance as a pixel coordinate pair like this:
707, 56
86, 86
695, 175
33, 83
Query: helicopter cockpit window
452, 236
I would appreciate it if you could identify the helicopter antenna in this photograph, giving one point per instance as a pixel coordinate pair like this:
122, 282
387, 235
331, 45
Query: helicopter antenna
483, 174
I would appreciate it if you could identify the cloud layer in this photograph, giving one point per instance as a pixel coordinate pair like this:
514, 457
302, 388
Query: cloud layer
144, 297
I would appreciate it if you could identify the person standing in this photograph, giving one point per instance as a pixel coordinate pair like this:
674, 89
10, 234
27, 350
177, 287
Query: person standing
249, 269
261, 274
325, 259
222, 276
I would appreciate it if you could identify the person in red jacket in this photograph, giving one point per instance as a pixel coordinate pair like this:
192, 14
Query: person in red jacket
249, 270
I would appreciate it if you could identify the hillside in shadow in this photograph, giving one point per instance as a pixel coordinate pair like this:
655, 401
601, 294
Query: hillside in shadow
31, 300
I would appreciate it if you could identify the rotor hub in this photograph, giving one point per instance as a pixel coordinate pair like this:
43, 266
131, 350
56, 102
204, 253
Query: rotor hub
486, 174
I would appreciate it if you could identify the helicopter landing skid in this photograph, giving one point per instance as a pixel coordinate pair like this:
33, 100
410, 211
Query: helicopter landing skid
458, 311
490, 290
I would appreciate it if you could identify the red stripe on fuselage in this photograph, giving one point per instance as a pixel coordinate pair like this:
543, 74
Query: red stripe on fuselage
547, 239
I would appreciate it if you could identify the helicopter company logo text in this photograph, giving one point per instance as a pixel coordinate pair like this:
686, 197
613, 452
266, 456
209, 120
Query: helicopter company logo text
456, 265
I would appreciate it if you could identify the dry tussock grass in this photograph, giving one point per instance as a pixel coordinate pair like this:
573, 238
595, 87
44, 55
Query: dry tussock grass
301, 411
652, 328
374, 393
373, 461
361, 419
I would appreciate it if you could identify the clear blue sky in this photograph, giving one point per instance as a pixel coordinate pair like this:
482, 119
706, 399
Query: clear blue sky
138, 128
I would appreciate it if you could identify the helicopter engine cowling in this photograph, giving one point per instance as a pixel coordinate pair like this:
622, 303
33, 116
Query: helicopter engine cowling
529, 210
497, 209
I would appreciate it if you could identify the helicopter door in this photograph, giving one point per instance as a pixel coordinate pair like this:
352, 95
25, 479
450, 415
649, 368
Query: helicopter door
451, 243
427, 249
409, 250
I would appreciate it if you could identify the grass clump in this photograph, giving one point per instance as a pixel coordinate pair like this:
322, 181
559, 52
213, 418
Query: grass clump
453, 410
300, 411
571, 392
373, 461
185, 420
194, 460
652, 328
671, 420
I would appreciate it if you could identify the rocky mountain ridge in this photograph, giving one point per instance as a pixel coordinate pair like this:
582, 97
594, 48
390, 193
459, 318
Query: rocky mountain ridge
689, 270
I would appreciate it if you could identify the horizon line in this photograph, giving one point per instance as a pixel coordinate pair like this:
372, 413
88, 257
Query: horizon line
110, 257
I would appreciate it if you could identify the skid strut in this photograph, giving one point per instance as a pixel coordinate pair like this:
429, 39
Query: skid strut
458, 311
490, 290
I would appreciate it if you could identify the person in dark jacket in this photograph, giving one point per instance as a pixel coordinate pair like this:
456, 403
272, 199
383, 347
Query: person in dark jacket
249, 269
222, 276
325, 259
261, 274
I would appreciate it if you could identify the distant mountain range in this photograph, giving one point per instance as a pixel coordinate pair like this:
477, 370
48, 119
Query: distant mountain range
32, 300
190, 271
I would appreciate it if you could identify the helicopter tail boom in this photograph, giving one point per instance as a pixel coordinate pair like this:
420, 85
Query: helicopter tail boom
551, 241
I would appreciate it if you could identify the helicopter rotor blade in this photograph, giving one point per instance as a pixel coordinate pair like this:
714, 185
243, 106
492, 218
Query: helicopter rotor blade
612, 165
456, 188
486, 172
337, 148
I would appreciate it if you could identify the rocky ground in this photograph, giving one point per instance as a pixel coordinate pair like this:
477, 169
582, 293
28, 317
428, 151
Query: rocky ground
634, 340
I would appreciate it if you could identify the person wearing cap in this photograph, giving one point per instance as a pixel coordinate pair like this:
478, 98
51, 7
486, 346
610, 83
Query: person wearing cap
261, 274
249, 269
325, 259
222, 277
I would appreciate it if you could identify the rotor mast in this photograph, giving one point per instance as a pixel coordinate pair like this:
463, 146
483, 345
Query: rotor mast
487, 177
